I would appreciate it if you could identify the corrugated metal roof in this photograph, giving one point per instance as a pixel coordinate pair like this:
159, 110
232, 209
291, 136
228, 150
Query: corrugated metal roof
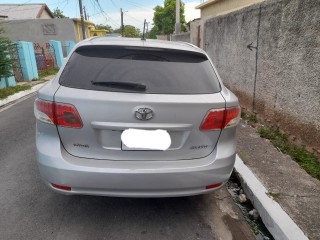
24, 11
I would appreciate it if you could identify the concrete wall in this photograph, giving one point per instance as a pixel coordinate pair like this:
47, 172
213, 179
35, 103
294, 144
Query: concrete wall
182, 37
163, 37
39, 30
195, 32
280, 81
214, 8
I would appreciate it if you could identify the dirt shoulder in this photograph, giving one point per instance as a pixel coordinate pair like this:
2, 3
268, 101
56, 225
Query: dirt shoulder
296, 191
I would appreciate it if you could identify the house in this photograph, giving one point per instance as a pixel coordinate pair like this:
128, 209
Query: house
39, 30
36, 23
25, 11
214, 8
89, 29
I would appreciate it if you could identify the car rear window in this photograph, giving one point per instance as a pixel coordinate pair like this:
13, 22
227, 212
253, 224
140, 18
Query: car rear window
161, 71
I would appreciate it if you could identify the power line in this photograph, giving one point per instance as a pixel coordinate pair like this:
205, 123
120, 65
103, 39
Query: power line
19, 5
65, 5
114, 4
138, 5
58, 3
95, 9
104, 13
77, 7
133, 18
109, 18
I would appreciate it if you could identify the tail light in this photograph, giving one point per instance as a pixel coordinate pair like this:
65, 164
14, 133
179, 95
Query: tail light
213, 185
66, 188
59, 114
221, 118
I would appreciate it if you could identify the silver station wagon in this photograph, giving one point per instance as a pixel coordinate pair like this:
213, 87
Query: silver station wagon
136, 118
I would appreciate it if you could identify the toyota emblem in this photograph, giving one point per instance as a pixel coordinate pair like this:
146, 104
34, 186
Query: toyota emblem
144, 113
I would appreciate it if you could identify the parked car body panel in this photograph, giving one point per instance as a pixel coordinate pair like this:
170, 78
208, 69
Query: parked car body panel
195, 160
180, 115
132, 178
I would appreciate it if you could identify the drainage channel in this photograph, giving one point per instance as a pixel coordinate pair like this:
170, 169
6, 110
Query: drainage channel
247, 209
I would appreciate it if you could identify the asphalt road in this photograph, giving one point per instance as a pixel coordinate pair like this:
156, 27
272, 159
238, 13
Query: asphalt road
28, 210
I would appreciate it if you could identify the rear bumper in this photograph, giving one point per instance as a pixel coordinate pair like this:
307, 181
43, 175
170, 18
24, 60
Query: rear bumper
134, 178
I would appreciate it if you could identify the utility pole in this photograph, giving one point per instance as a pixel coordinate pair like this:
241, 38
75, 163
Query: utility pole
82, 21
177, 26
144, 27
122, 28
85, 13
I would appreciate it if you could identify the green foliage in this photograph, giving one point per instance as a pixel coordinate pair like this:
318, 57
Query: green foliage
153, 33
250, 118
104, 27
5, 92
280, 140
129, 31
58, 13
272, 134
48, 72
164, 18
5, 61
273, 195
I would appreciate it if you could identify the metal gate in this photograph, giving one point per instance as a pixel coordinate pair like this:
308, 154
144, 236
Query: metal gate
45, 56
16, 65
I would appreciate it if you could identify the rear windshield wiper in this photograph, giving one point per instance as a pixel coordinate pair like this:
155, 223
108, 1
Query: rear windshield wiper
122, 85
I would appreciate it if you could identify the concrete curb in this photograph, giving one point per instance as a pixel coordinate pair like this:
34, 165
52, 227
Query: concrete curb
278, 222
18, 95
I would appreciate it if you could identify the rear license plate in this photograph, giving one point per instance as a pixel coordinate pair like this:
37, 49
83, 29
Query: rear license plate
145, 140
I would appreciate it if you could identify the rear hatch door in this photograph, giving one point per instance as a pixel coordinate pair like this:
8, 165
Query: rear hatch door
180, 88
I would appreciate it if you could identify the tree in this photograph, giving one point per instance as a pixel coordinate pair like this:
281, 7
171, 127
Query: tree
129, 31
164, 18
58, 13
5, 61
105, 27
153, 33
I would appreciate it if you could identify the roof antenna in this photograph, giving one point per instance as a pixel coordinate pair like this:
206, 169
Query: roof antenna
144, 26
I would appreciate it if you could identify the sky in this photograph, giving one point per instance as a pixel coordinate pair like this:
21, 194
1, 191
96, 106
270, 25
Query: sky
135, 11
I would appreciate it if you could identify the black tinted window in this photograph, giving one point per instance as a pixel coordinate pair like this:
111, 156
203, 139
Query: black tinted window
160, 71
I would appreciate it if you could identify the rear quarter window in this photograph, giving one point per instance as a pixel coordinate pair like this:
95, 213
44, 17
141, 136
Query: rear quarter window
161, 71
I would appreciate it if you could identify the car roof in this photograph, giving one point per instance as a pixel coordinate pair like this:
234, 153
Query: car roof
136, 42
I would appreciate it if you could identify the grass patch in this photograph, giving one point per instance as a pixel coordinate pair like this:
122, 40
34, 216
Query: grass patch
5, 92
49, 72
250, 118
306, 160
273, 195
